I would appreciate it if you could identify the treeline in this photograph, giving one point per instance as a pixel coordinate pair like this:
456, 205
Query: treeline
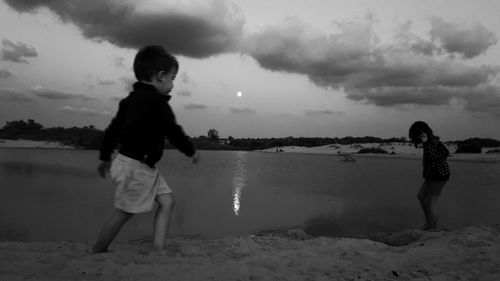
475, 145
89, 137
84, 138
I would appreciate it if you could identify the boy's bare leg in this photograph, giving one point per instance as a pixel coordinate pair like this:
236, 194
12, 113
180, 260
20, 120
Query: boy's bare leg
110, 229
162, 221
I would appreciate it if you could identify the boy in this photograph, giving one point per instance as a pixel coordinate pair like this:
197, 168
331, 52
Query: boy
139, 128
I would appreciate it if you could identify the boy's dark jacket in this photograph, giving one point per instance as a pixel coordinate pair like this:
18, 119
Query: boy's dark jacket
139, 128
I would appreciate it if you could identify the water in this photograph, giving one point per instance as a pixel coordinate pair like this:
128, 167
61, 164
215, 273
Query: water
52, 195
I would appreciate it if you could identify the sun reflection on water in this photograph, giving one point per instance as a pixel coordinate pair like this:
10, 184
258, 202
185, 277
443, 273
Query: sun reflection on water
239, 181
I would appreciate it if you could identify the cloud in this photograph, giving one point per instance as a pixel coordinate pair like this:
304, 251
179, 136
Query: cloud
116, 98
184, 93
195, 106
84, 111
105, 82
241, 110
483, 99
411, 42
296, 48
193, 28
469, 40
5, 73
410, 70
322, 112
186, 78
127, 82
14, 95
118, 61
57, 95
17, 52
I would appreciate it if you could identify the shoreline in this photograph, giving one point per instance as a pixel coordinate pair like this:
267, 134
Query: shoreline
469, 253
395, 150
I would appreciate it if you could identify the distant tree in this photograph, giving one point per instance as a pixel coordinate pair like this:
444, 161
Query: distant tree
213, 135
482, 142
372, 150
21, 129
468, 148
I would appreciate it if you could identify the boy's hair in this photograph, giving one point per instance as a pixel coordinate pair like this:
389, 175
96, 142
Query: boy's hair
152, 59
417, 129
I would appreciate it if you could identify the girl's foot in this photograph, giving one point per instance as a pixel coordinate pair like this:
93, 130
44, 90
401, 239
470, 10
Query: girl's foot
429, 225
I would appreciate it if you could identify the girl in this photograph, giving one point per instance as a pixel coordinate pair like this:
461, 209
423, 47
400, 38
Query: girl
436, 171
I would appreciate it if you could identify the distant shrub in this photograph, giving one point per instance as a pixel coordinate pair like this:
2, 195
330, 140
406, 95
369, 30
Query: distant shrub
482, 142
372, 150
468, 148
493, 151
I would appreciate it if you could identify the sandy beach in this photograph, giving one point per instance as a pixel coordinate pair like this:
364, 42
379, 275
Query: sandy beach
471, 253
32, 144
398, 150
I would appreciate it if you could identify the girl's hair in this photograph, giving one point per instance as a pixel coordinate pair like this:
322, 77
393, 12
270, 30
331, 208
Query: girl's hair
417, 129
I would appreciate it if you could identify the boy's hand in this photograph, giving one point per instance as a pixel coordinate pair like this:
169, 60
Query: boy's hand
196, 157
103, 168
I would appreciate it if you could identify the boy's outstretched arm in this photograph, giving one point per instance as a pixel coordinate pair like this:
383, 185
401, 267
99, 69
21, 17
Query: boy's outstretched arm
196, 157
103, 168
109, 142
176, 136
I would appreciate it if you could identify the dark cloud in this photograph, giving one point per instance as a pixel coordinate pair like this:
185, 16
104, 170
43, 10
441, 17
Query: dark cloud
57, 95
483, 99
184, 93
197, 29
390, 96
322, 112
241, 110
468, 40
83, 111
195, 106
14, 95
5, 73
409, 41
17, 52
409, 71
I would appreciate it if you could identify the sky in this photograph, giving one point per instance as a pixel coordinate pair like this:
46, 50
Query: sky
316, 68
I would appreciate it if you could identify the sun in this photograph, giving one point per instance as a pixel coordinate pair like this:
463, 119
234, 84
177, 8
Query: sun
239, 94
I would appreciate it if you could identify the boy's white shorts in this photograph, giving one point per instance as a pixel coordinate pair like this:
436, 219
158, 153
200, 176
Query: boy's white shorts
136, 184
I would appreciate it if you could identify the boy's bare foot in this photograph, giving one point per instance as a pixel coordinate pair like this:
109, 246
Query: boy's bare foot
158, 252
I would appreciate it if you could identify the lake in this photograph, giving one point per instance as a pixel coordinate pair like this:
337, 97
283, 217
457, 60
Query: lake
54, 195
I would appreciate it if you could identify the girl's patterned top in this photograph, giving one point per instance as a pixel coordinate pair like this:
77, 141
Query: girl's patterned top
434, 160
